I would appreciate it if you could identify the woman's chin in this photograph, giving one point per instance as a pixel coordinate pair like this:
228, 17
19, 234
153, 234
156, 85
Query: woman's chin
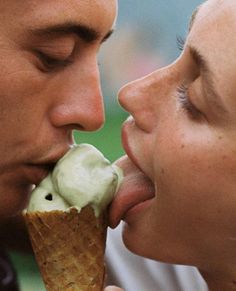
135, 242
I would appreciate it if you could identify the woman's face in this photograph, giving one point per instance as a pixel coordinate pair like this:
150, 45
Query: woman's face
182, 135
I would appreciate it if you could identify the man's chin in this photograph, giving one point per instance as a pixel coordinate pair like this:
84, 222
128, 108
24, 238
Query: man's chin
14, 199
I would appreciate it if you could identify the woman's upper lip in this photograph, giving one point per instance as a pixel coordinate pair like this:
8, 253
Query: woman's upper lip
125, 138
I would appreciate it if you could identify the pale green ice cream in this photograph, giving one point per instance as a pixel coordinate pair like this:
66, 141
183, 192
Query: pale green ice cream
82, 177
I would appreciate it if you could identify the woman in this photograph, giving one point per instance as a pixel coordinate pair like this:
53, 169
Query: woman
49, 87
178, 199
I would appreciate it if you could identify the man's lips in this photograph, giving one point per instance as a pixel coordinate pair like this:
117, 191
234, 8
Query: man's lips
36, 173
135, 189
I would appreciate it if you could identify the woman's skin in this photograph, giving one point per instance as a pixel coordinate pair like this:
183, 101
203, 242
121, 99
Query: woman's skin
112, 288
182, 136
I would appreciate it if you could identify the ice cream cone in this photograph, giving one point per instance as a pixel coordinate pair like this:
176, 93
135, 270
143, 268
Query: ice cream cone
69, 248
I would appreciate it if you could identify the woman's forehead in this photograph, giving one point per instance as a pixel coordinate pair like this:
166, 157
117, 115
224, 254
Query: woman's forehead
214, 21
213, 37
216, 9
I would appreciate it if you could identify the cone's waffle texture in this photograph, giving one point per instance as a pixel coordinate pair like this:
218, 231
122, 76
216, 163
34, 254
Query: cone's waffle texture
69, 248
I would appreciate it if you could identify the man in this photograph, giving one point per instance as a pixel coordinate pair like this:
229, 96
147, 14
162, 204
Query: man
49, 86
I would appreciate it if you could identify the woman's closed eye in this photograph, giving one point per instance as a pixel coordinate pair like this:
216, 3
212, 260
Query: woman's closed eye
185, 102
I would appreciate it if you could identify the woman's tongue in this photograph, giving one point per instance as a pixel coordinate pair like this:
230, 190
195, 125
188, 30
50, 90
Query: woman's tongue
135, 188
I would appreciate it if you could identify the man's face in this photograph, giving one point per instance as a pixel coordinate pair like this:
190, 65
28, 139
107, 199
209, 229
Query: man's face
182, 135
49, 86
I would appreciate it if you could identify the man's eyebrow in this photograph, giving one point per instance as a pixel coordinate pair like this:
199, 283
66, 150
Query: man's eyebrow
84, 32
207, 74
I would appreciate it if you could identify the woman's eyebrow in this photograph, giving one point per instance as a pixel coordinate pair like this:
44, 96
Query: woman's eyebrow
193, 17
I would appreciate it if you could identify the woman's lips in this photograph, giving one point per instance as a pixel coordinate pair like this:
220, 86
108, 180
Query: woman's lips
135, 189
136, 186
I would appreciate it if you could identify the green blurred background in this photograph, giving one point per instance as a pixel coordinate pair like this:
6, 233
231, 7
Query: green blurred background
144, 40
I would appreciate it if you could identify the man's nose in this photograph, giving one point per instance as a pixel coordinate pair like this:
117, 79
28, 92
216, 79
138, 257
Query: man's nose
80, 102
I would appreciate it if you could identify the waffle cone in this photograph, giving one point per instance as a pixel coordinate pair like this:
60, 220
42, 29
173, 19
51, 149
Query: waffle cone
69, 248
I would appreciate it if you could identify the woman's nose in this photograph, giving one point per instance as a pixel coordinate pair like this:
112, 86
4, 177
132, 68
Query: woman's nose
138, 99
80, 102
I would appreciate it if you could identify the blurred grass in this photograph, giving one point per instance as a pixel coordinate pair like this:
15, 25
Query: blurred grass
27, 272
108, 141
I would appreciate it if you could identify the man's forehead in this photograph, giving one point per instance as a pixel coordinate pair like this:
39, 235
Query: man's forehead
97, 16
60, 9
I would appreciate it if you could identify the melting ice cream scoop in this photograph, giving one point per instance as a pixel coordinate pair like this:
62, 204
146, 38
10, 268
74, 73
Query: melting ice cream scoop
83, 176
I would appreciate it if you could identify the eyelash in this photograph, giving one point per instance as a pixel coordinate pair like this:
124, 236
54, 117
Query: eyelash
186, 104
182, 89
180, 42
